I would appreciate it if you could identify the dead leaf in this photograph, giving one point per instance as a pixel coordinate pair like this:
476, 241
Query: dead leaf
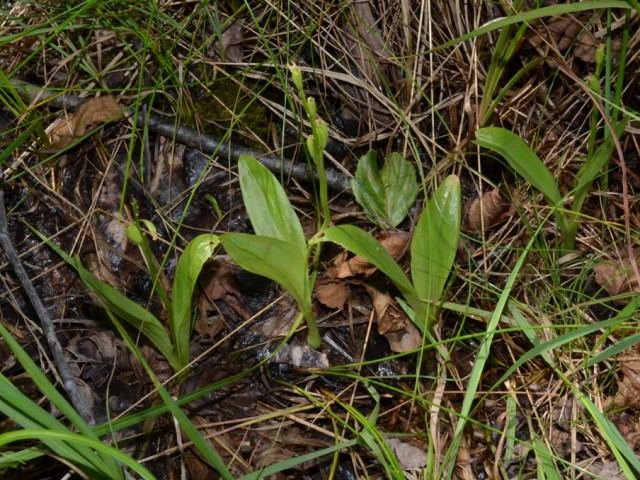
564, 33
332, 293
628, 387
618, 277
64, 131
229, 48
486, 211
393, 324
609, 470
218, 283
411, 457
301, 356
394, 242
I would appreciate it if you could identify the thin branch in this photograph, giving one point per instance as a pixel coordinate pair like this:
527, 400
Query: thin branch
46, 322
192, 138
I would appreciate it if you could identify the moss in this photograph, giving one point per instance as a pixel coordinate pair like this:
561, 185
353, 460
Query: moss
230, 107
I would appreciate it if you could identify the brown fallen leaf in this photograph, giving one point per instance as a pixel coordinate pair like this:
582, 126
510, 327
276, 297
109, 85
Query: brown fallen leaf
618, 277
394, 242
64, 131
332, 293
411, 457
229, 48
567, 32
629, 385
393, 324
486, 211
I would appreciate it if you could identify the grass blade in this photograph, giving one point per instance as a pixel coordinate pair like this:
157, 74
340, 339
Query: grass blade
120, 305
69, 438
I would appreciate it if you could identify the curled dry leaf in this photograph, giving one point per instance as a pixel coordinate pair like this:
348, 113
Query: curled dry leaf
618, 277
229, 47
394, 242
486, 211
64, 131
401, 333
411, 457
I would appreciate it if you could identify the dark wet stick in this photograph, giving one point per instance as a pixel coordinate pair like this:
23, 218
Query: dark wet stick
43, 315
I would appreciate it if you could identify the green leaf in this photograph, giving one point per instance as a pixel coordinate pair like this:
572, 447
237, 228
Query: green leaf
522, 159
190, 264
269, 209
386, 194
281, 261
361, 243
435, 242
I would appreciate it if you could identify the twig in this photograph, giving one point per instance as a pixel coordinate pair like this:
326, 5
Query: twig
46, 322
192, 138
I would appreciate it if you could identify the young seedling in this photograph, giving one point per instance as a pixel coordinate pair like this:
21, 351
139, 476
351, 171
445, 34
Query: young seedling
279, 249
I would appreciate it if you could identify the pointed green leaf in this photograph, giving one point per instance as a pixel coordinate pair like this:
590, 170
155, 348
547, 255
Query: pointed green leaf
435, 241
269, 209
361, 243
386, 194
190, 264
282, 262
522, 159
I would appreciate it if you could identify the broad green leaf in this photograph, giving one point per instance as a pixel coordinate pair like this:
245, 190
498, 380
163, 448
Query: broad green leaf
361, 243
190, 264
281, 261
385, 194
435, 241
269, 209
522, 159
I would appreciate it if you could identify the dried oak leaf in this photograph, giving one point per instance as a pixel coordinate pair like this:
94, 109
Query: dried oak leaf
394, 242
332, 293
486, 211
618, 277
64, 131
399, 331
